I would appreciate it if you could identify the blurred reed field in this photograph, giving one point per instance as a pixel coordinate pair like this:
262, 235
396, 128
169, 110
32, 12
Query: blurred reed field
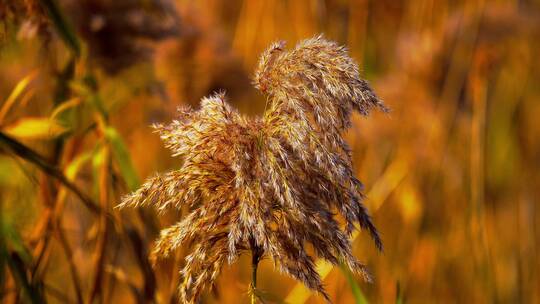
451, 175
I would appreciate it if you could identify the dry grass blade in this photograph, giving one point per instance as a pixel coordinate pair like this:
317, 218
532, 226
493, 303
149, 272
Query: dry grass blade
103, 162
139, 249
17, 91
69, 257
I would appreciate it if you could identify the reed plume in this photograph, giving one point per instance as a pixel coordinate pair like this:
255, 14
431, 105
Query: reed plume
269, 185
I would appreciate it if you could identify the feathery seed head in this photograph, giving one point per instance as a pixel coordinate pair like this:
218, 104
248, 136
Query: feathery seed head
270, 185
261, 80
317, 71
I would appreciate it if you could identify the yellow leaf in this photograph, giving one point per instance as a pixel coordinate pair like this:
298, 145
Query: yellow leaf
71, 171
19, 88
73, 168
71, 103
35, 128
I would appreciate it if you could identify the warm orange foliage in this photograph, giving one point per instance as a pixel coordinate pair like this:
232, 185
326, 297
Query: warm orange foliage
451, 174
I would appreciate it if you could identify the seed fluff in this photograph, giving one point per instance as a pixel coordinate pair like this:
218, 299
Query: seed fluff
272, 184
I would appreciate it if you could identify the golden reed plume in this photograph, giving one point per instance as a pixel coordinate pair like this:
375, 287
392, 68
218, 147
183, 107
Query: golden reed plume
269, 185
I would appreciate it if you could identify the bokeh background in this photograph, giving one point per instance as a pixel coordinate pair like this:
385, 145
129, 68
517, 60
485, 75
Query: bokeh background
452, 174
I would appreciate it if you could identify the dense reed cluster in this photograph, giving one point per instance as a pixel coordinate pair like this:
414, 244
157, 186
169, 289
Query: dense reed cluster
270, 185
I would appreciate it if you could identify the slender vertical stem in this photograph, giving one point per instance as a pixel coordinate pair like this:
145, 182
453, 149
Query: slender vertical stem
254, 264
256, 255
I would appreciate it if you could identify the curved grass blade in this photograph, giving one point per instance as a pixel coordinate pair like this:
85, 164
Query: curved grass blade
17, 91
68, 104
121, 154
359, 297
35, 128
399, 294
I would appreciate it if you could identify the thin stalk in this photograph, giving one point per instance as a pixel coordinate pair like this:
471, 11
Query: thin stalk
254, 264
256, 255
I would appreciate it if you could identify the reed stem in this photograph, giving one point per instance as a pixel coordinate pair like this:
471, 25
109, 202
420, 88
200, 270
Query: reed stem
255, 258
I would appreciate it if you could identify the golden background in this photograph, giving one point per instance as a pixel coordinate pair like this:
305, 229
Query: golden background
452, 173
